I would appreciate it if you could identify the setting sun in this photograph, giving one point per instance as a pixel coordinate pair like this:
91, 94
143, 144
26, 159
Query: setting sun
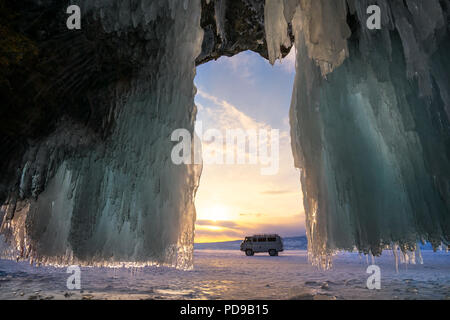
217, 213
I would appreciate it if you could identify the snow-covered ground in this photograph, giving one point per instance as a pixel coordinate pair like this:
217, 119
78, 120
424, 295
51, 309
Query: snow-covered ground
229, 274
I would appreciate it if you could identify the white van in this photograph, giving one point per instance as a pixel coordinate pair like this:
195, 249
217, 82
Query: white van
271, 243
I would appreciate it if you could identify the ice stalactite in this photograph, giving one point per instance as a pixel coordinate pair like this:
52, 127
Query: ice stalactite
370, 124
323, 25
276, 29
125, 202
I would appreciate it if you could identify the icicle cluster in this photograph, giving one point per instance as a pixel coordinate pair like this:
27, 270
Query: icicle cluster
125, 202
322, 23
372, 139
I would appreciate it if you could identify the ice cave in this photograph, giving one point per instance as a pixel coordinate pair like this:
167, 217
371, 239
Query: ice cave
86, 175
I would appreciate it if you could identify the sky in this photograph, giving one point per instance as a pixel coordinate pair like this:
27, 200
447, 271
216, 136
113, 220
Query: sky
236, 200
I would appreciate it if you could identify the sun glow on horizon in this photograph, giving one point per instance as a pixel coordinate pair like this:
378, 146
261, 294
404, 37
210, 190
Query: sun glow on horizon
217, 213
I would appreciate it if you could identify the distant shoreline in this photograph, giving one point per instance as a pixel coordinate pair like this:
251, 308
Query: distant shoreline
289, 243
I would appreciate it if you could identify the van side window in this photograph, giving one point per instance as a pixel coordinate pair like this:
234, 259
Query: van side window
261, 239
255, 239
272, 239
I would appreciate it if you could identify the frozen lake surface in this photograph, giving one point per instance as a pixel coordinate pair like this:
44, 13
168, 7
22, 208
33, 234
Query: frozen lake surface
229, 274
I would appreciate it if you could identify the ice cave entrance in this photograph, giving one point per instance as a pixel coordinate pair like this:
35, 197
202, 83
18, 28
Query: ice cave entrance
234, 199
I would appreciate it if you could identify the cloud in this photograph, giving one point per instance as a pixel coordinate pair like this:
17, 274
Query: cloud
286, 230
205, 233
240, 64
284, 225
250, 214
222, 115
227, 116
278, 192
218, 223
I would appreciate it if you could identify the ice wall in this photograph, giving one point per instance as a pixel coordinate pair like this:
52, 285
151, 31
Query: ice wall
370, 123
125, 202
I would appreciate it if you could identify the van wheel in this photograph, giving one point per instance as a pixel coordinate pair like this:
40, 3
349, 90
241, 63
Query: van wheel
249, 252
273, 252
